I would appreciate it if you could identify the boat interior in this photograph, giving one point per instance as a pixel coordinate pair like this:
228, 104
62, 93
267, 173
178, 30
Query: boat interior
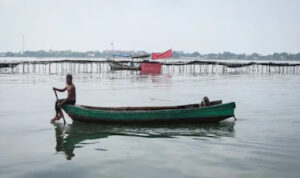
152, 108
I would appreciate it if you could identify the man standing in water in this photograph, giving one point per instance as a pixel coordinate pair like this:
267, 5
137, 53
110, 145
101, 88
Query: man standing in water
71, 99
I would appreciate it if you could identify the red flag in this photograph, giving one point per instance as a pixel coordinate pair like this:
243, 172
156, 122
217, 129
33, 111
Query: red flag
166, 54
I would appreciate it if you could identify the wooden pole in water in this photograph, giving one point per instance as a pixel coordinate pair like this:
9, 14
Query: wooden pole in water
61, 111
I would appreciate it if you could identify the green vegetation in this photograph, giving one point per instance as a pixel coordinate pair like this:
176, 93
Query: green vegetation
176, 54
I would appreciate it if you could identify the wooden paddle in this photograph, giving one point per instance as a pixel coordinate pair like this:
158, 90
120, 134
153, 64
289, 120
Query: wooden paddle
57, 103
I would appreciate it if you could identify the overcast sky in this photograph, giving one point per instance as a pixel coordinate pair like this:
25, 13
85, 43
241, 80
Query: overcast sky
240, 26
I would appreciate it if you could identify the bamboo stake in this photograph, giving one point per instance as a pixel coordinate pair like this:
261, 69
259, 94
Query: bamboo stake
57, 103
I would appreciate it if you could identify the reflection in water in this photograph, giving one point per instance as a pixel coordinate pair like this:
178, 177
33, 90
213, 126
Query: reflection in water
73, 135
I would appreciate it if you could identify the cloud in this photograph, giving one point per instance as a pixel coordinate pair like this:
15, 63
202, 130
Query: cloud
8, 3
153, 25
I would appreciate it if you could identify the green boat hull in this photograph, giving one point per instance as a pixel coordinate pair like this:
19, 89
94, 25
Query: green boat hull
213, 113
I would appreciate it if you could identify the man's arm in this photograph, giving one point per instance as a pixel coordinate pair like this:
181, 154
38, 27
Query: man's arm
60, 90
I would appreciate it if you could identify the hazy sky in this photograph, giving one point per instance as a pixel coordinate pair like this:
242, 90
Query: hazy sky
240, 26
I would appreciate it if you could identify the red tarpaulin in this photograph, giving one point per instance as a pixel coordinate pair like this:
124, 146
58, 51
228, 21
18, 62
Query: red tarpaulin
166, 54
151, 67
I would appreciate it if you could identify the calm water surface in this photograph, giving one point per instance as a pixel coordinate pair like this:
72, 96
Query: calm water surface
263, 142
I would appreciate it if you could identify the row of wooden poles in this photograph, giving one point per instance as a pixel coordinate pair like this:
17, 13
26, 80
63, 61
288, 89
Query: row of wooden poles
89, 66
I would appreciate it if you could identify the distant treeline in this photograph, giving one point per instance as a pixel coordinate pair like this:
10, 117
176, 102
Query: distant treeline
176, 54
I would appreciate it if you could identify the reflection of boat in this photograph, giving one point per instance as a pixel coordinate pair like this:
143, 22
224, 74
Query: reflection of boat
77, 135
114, 65
182, 114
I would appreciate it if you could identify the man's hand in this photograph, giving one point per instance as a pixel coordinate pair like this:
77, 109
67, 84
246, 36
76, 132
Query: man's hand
54, 88
60, 104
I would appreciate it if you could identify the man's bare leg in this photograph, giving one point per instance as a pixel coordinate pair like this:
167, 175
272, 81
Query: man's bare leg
54, 118
60, 115
57, 117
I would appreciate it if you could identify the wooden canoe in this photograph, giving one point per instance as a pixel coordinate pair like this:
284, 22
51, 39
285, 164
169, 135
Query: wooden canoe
114, 65
179, 114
